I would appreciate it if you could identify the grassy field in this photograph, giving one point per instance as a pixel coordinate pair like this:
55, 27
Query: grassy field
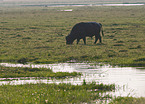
37, 34
53, 94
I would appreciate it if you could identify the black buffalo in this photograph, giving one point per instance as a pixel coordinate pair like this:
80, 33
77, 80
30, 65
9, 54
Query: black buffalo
83, 30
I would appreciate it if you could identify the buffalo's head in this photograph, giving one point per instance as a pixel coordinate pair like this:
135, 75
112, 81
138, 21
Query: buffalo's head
69, 40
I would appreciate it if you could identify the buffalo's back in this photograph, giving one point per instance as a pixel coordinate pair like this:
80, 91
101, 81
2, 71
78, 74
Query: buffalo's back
85, 29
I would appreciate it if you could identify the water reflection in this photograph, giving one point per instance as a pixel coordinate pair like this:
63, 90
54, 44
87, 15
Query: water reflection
130, 80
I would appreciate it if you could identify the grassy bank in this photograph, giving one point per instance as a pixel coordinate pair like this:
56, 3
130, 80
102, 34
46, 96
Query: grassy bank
53, 94
37, 34
9, 72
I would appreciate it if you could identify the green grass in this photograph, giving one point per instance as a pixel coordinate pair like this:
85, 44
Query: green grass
9, 72
37, 34
128, 100
52, 93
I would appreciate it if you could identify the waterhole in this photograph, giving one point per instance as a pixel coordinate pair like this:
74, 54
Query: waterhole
129, 81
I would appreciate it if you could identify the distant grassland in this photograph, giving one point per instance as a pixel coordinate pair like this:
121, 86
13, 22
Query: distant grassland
37, 34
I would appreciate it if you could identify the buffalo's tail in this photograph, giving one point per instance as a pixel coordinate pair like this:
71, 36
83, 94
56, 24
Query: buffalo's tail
102, 32
101, 29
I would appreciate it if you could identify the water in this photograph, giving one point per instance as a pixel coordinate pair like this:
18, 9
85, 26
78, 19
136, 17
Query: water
122, 4
130, 81
79, 5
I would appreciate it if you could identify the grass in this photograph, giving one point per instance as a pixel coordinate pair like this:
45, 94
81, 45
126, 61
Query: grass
37, 34
9, 72
53, 94
128, 100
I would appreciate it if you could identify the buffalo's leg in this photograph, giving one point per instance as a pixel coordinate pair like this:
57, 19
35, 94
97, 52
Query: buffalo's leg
84, 40
96, 39
78, 41
100, 39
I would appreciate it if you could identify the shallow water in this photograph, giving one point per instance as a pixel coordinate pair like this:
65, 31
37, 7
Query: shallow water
79, 5
130, 81
122, 4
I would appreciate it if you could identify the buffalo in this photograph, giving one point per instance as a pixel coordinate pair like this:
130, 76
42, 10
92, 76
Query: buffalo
85, 29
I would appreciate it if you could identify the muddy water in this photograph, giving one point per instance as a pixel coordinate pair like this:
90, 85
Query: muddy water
130, 81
